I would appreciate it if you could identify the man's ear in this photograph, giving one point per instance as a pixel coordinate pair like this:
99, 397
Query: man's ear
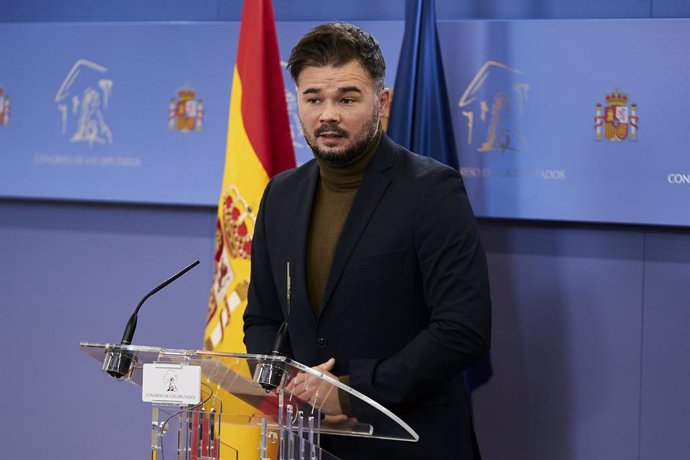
385, 101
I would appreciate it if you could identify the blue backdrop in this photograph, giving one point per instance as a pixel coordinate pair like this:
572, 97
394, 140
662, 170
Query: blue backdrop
98, 114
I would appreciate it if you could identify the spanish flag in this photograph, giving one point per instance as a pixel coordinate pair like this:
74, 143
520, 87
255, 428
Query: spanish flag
259, 145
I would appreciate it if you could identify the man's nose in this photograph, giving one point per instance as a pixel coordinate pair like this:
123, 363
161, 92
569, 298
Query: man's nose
329, 114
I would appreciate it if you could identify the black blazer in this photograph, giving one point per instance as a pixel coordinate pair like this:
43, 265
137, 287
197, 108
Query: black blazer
406, 306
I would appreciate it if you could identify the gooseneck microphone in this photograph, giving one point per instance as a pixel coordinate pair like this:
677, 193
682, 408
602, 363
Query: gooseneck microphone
120, 363
132, 323
270, 372
282, 332
280, 338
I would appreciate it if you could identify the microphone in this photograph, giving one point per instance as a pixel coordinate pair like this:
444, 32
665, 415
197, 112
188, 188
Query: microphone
120, 363
282, 332
280, 338
270, 372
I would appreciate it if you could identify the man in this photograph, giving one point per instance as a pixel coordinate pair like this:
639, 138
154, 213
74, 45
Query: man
389, 281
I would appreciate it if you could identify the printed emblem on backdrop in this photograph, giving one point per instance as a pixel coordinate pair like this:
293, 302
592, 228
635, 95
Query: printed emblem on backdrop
82, 101
4, 107
492, 104
617, 119
185, 112
293, 115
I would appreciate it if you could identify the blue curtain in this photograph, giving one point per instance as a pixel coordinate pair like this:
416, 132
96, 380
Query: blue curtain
420, 115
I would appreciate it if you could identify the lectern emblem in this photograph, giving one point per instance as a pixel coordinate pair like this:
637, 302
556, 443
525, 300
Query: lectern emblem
170, 383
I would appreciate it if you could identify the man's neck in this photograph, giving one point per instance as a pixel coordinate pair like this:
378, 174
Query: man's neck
350, 173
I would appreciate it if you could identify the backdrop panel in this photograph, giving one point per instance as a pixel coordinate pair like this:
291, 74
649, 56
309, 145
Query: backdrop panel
554, 120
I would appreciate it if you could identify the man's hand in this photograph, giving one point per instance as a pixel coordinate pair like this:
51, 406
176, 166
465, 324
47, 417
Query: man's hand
321, 395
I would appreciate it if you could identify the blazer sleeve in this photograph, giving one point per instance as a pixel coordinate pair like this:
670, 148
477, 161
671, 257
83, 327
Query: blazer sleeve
455, 284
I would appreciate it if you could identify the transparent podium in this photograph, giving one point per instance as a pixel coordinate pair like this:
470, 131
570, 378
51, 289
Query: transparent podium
279, 402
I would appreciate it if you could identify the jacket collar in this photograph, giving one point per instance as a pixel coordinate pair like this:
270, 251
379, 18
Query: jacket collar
368, 196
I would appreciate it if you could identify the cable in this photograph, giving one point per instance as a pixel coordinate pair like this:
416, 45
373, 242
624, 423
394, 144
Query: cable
165, 422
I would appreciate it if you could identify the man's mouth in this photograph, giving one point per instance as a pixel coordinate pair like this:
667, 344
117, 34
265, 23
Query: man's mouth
331, 135
330, 132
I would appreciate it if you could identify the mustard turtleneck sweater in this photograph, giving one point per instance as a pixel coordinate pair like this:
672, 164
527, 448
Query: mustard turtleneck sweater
335, 193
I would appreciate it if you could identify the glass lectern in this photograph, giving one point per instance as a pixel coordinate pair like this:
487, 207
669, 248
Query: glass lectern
283, 399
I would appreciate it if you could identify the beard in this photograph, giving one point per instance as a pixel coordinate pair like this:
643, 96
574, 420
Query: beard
360, 142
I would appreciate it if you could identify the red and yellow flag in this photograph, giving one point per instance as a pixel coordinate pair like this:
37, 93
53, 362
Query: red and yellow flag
259, 145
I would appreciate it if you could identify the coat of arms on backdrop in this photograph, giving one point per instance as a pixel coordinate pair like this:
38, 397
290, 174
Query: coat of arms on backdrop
4, 107
185, 112
616, 120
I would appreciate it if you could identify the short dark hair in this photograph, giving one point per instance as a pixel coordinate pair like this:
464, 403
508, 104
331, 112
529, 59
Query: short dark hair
336, 44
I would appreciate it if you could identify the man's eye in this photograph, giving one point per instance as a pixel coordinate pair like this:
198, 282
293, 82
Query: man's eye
347, 100
313, 100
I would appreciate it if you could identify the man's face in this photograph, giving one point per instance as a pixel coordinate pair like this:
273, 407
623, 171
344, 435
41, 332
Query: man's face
339, 110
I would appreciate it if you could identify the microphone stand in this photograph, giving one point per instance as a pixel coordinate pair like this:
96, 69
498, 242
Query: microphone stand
120, 363
269, 373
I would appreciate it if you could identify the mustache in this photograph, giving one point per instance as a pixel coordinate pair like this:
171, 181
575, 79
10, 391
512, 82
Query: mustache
332, 128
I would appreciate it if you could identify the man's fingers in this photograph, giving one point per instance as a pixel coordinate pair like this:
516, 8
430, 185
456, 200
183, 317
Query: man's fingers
335, 419
328, 365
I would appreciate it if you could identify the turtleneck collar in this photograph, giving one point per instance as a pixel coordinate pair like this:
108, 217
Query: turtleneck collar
349, 175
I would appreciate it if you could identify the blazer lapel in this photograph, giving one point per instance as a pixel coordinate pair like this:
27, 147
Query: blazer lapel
373, 186
298, 266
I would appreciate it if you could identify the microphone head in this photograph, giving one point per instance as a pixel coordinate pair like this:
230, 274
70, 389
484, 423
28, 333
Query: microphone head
269, 374
119, 363
131, 326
